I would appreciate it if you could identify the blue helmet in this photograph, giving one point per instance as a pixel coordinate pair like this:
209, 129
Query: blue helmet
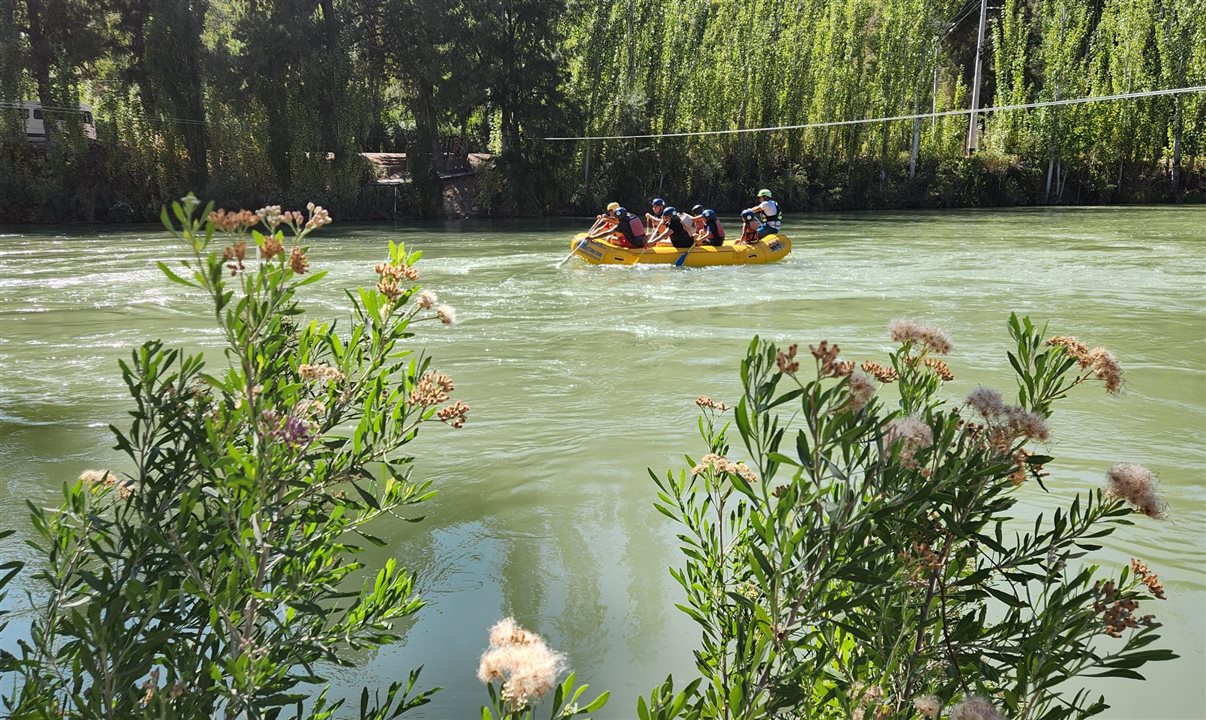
697, 209
658, 201
709, 213
747, 214
669, 211
620, 212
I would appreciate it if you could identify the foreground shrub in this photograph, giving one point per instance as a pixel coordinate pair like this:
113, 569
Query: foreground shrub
216, 577
863, 561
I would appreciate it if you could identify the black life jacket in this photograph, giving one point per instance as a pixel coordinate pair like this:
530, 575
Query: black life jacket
679, 237
768, 219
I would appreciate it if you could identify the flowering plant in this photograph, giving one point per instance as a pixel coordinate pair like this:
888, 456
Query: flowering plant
863, 561
526, 670
217, 575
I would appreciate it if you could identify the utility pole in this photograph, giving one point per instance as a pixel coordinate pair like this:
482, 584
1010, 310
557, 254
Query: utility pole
972, 125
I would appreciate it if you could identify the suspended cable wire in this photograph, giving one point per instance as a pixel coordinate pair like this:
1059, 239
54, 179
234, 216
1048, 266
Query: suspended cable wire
893, 118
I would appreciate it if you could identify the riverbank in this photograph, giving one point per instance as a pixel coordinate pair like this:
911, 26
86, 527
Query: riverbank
94, 184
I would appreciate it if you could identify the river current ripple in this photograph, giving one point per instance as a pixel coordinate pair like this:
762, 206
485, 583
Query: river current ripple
582, 377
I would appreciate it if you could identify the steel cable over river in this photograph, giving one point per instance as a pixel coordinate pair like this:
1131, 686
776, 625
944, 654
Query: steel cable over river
581, 377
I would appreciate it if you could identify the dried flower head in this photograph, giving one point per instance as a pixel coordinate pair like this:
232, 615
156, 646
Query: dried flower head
1149, 578
522, 661
880, 372
105, 479
272, 247
1117, 613
389, 288
940, 369
455, 414
867, 700
1107, 369
723, 465
432, 389
706, 402
1020, 467
1073, 347
826, 356
974, 708
1023, 423
786, 361
396, 272
426, 300
1138, 486
324, 373
986, 401
231, 220
150, 687
914, 435
298, 262
861, 390
447, 314
233, 255
508, 632
931, 338
928, 705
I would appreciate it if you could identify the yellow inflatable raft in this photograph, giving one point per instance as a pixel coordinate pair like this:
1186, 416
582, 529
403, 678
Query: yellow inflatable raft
769, 249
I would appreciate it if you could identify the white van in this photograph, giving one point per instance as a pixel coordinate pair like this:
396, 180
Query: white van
35, 119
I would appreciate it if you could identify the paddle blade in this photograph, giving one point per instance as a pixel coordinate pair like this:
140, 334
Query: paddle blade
573, 252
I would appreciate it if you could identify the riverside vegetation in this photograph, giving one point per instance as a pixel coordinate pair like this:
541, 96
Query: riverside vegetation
860, 561
197, 94
217, 577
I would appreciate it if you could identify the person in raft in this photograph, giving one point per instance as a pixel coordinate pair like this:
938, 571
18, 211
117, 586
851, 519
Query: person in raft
712, 233
767, 211
627, 228
608, 217
672, 227
698, 218
749, 228
654, 216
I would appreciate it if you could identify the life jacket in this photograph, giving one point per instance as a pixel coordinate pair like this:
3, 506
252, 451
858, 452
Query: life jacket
749, 233
772, 220
713, 226
679, 236
632, 229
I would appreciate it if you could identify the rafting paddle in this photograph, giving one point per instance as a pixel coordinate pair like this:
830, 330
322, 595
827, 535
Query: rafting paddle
581, 244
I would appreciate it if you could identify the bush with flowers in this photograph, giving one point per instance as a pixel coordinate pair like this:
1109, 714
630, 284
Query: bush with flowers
863, 560
217, 576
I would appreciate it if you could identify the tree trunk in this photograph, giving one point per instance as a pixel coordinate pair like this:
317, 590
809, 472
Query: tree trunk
280, 138
329, 89
136, 24
916, 145
423, 171
196, 136
41, 58
1178, 130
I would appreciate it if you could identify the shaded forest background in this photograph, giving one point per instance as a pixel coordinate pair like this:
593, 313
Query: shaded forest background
251, 102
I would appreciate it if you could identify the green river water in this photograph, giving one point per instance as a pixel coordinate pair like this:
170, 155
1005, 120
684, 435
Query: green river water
581, 377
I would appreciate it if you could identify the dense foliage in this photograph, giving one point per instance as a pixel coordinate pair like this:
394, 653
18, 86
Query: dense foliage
865, 561
217, 575
194, 94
